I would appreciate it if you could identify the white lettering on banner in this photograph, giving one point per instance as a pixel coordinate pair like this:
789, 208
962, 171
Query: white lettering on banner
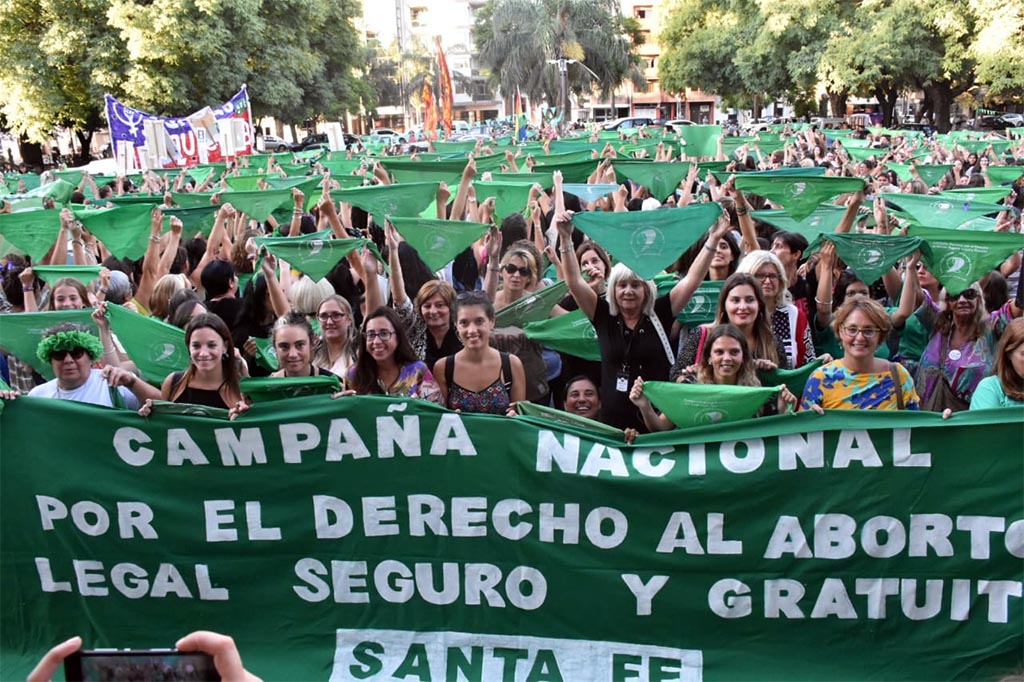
477, 584
219, 516
377, 655
915, 599
681, 533
131, 580
132, 517
340, 440
560, 452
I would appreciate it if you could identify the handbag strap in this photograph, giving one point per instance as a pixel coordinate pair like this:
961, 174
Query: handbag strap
897, 383
664, 339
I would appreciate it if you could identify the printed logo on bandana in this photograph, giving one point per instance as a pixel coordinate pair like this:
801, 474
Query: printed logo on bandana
795, 189
588, 332
700, 304
941, 206
815, 221
648, 242
870, 256
437, 243
711, 416
953, 264
315, 246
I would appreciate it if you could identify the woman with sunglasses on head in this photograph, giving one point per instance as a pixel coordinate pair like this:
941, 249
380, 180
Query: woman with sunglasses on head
479, 378
859, 380
387, 364
960, 351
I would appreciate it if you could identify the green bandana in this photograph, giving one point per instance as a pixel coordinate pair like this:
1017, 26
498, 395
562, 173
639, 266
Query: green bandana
865, 153
702, 404
165, 407
509, 197
151, 199
957, 258
870, 255
69, 340
193, 199
195, 219
32, 232
266, 356
980, 225
572, 334
979, 146
455, 147
266, 389
31, 181
314, 254
589, 426
661, 179
987, 195
930, 174
200, 174
703, 305
556, 159
647, 241
341, 167
825, 218
157, 348
937, 211
700, 140
531, 307
20, 333
405, 199
573, 172
1001, 175
731, 144
438, 242
124, 230
59, 191
793, 379
244, 183
259, 204
588, 193
85, 274
798, 195
576, 144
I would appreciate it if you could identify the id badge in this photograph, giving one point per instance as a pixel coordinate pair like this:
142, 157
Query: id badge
622, 382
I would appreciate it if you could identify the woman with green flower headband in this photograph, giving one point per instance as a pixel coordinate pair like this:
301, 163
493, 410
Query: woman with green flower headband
71, 350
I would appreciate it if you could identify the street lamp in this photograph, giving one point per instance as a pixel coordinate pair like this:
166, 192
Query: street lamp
563, 85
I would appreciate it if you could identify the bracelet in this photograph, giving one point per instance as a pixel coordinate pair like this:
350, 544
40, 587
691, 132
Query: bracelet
742, 210
493, 269
712, 249
29, 287
107, 351
103, 290
822, 302
155, 239
563, 250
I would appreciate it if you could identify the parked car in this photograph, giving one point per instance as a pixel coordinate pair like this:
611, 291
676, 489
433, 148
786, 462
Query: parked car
1010, 120
628, 122
388, 136
271, 143
677, 123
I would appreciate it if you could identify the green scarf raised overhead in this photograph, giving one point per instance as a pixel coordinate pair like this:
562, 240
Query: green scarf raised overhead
20, 333
870, 255
404, 199
438, 242
648, 241
32, 232
825, 218
314, 254
701, 404
193, 219
86, 274
1001, 175
157, 348
986, 195
938, 211
571, 333
959, 257
124, 230
258, 204
930, 174
661, 179
509, 197
532, 307
798, 195
700, 140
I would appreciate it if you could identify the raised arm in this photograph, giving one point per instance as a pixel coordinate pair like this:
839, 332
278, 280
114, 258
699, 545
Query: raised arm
909, 295
278, 299
747, 231
398, 293
823, 296
151, 260
681, 292
850, 216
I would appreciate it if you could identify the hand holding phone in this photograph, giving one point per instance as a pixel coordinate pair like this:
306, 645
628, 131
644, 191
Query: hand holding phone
141, 664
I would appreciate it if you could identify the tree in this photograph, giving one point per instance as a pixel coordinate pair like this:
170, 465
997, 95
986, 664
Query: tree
519, 41
998, 49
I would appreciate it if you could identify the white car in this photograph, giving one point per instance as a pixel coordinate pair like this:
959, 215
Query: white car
388, 136
271, 143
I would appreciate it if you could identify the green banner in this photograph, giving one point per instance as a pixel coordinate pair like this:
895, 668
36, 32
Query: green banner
436, 241
571, 333
532, 307
647, 241
959, 257
157, 348
390, 539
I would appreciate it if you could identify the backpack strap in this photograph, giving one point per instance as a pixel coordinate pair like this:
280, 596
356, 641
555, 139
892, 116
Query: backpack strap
897, 384
449, 371
506, 371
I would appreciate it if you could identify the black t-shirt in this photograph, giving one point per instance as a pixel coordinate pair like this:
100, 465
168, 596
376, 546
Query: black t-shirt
636, 353
450, 345
227, 309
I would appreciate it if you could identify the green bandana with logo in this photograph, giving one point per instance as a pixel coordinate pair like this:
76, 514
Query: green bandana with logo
314, 254
258, 204
661, 179
703, 305
930, 174
957, 258
825, 218
404, 199
938, 211
32, 232
703, 404
532, 307
509, 197
436, 241
124, 230
572, 334
157, 348
798, 195
870, 255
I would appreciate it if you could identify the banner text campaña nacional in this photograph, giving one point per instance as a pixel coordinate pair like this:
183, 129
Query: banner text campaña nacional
382, 539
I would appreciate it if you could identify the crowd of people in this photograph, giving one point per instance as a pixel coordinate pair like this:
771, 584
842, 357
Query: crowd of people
391, 326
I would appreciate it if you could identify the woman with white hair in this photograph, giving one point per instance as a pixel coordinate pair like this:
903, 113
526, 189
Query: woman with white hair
789, 323
631, 322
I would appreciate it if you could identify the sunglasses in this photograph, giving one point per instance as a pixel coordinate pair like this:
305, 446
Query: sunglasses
511, 269
75, 353
966, 294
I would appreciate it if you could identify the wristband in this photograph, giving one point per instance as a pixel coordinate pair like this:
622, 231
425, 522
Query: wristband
103, 290
29, 287
709, 248
492, 269
741, 210
822, 302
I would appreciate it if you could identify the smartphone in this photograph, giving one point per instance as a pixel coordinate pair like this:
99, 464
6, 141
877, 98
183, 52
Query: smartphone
138, 664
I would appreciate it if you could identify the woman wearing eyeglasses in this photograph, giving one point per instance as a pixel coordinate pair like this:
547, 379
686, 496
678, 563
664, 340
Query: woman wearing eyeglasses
387, 364
859, 380
789, 323
339, 339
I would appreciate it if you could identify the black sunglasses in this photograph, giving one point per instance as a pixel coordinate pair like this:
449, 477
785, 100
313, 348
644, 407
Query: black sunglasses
511, 269
59, 355
966, 294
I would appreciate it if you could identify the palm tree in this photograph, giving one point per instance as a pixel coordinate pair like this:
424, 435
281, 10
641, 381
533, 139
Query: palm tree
523, 43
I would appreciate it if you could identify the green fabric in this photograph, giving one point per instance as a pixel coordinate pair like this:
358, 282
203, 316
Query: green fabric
314, 254
703, 305
266, 389
200, 174
936, 211
588, 193
550, 414
798, 195
661, 179
193, 199
731, 143
700, 404
648, 241
85, 274
266, 356
870, 255
532, 307
405, 199
700, 140
825, 218
341, 166
988, 195
58, 190
32, 232
959, 257
575, 144
124, 230
438, 242
244, 183
793, 379
31, 180
930, 174
864, 153
571, 333
1000, 175
455, 147
194, 219
157, 348
979, 146
540, 177
980, 225
258, 204
572, 171
509, 197
151, 199
20, 333
162, 407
